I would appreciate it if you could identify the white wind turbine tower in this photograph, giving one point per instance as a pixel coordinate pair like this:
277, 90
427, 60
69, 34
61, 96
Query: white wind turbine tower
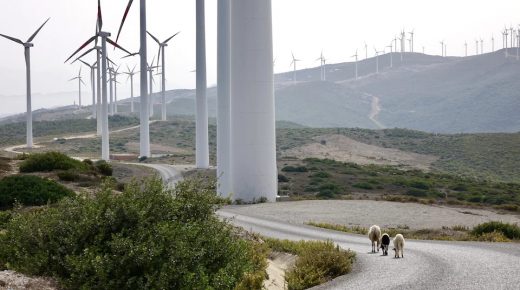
356, 57
411, 40
80, 81
293, 64
111, 90
144, 134
366, 51
403, 45
476, 46
466, 48
102, 59
202, 144
322, 66
27, 48
442, 48
115, 73
93, 86
131, 74
504, 35
162, 46
377, 60
481, 46
150, 69
391, 55
492, 43
253, 159
518, 44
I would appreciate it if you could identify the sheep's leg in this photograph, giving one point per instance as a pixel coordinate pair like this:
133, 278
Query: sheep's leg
402, 252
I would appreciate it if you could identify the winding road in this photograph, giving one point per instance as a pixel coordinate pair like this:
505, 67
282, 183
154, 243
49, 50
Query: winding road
427, 264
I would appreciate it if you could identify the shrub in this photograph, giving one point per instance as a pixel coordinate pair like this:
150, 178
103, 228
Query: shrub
317, 263
295, 169
143, 238
69, 175
363, 185
321, 174
104, 168
417, 192
5, 217
511, 231
282, 178
30, 190
44, 162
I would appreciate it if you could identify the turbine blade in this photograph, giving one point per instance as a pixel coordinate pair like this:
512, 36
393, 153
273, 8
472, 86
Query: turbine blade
37, 31
110, 62
124, 18
154, 38
90, 66
159, 55
166, 41
82, 46
131, 54
99, 24
117, 45
13, 39
82, 82
73, 79
85, 53
134, 68
128, 68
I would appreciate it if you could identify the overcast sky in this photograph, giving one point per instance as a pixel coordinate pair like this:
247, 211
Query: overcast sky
339, 27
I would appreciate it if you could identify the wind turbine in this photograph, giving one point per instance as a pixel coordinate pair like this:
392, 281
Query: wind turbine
293, 64
504, 34
111, 90
102, 59
162, 46
518, 45
377, 60
150, 69
356, 57
411, 40
466, 47
322, 66
201, 138
442, 48
144, 134
403, 45
492, 43
115, 73
481, 46
366, 51
131, 74
476, 46
391, 55
27, 49
80, 81
93, 86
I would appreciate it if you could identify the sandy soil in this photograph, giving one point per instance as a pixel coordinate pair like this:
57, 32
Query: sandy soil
345, 149
278, 264
366, 213
12, 280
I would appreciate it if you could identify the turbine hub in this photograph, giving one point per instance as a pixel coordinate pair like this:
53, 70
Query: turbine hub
28, 44
104, 34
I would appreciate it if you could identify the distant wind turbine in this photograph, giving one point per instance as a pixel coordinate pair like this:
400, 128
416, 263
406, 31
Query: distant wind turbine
27, 46
103, 59
322, 66
93, 86
442, 48
151, 80
492, 43
356, 57
80, 81
131, 74
162, 46
476, 46
411, 40
366, 51
466, 48
377, 60
391, 55
293, 64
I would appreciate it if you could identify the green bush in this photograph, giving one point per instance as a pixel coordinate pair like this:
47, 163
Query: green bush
295, 169
49, 161
30, 190
69, 175
104, 168
511, 231
5, 217
144, 238
318, 262
363, 185
321, 174
282, 178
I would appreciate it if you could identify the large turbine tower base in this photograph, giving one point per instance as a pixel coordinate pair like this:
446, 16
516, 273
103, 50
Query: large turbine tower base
202, 145
253, 141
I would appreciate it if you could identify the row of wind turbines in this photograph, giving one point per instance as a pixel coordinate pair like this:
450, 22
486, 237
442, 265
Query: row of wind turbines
401, 44
246, 144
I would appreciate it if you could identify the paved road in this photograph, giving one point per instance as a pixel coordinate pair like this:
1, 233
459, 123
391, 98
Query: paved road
427, 264
170, 174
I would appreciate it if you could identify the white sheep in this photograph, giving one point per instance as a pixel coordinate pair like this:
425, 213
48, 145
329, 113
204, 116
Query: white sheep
374, 234
385, 243
398, 245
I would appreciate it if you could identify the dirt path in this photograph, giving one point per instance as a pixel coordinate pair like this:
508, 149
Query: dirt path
375, 110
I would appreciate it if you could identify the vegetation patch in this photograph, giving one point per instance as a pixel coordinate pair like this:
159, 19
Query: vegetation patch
30, 190
143, 238
4, 164
486, 232
50, 161
327, 179
318, 261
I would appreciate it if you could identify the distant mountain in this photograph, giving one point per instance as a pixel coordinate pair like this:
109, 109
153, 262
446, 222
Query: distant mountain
422, 92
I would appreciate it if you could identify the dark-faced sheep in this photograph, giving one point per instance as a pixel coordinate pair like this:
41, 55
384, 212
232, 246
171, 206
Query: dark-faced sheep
399, 246
374, 234
385, 243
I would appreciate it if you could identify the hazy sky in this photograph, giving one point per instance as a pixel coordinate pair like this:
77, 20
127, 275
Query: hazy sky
339, 27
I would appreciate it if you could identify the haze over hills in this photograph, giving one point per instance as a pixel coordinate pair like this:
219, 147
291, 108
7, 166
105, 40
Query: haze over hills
423, 92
